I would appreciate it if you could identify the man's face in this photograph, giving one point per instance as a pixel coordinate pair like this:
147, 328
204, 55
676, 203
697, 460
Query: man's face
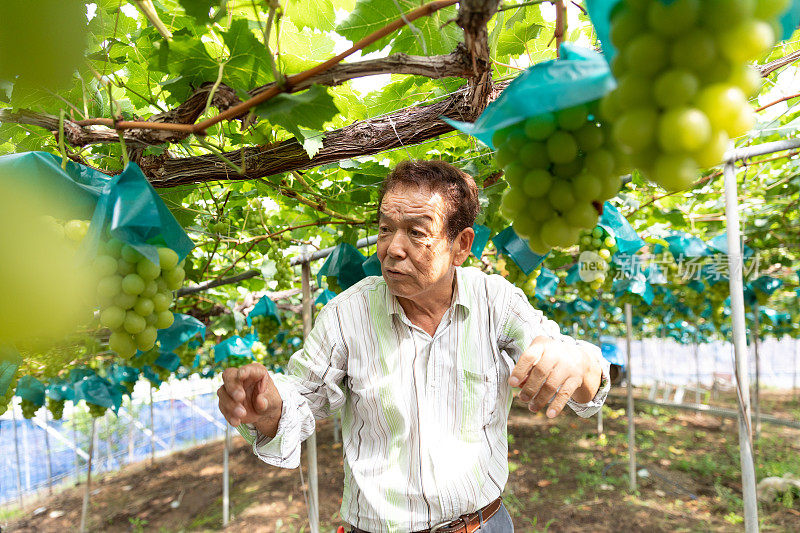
413, 248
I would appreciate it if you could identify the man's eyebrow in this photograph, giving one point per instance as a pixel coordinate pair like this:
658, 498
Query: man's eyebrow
421, 220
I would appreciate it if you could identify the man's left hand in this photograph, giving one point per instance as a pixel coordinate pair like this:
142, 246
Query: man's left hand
552, 371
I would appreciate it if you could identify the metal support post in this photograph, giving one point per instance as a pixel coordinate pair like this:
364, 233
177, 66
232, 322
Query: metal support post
631, 422
313, 498
152, 430
756, 333
88, 489
735, 266
225, 480
47, 450
16, 451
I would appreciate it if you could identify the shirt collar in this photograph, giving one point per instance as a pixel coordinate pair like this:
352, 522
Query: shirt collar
459, 296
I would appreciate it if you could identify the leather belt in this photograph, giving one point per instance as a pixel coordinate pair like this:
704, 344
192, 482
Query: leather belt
467, 523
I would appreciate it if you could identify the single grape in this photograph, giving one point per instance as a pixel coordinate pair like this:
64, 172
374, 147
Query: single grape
683, 130
675, 88
561, 147
112, 317
537, 183
572, 118
635, 129
167, 258
540, 127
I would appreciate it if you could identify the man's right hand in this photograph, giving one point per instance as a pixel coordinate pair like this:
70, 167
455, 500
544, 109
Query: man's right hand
249, 396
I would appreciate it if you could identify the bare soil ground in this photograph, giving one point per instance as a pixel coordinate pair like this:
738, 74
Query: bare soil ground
564, 478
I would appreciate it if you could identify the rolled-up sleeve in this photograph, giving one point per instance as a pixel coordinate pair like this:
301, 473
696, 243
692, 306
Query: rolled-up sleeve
310, 390
520, 323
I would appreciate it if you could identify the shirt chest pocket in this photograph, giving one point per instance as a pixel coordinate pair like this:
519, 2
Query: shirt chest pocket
478, 382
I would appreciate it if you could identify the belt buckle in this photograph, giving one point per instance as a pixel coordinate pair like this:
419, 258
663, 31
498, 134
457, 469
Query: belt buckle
442, 525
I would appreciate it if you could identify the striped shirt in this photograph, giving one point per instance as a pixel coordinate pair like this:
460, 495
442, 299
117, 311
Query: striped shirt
423, 417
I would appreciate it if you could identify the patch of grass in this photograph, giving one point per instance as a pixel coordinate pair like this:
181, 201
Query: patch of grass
7, 515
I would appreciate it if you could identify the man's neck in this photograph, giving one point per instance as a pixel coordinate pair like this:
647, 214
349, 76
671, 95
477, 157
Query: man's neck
427, 312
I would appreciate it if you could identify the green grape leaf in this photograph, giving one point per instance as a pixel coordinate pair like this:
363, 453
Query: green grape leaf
312, 141
200, 10
310, 109
426, 35
513, 42
318, 14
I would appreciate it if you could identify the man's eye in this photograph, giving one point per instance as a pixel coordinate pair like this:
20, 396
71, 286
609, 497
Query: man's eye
416, 233
383, 229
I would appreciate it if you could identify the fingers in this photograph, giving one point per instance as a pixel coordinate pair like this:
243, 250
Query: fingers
564, 394
527, 361
252, 371
232, 410
234, 388
538, 378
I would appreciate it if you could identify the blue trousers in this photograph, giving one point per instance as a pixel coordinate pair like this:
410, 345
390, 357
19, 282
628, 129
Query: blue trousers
500, 522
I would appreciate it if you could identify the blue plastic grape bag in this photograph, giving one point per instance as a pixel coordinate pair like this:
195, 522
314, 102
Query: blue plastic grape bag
579, 76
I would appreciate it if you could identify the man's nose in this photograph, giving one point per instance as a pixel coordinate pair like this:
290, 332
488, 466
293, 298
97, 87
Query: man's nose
397, 246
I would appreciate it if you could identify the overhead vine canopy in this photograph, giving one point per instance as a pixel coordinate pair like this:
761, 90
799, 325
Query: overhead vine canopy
262, 135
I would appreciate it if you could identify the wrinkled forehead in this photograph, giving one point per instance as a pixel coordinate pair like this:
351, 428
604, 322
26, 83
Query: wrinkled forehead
406, 202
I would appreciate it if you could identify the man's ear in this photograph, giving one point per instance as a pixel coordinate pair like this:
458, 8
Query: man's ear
463, 245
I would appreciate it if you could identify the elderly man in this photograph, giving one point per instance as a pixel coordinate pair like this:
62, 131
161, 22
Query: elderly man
422, 362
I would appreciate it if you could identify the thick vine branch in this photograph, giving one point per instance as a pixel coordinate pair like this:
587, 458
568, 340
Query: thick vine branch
402, 128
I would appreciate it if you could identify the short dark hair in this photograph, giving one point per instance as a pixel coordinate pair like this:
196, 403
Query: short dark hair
456, 186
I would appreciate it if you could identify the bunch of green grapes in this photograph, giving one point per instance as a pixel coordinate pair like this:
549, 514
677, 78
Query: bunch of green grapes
509, 270
260, 353
559, 166
684, 80
219, 226
28, 408
266, 326
129, 386
56, 408
284, 274
186, 355
96, 411
135, 294
8, 395
333, 284
604, 245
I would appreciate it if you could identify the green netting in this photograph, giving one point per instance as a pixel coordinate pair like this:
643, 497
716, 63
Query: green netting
184, 328
31, 389
481, 239
344, 264
579, 76
509, 243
